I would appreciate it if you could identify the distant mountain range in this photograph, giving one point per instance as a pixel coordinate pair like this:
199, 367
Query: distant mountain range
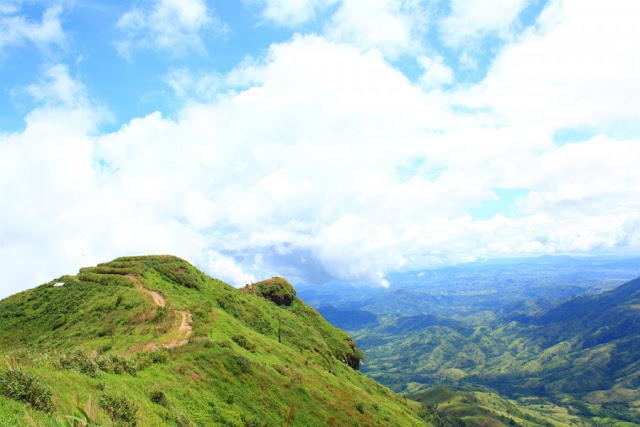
478, 290
582, 354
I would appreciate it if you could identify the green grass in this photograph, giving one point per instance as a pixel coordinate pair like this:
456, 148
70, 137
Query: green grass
90, 342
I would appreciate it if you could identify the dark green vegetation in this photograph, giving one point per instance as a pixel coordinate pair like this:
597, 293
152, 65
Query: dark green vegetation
276, 289
154, 341
579, 359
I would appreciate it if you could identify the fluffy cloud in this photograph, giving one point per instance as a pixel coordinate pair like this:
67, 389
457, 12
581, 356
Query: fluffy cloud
572, 179
574, 69
322, 161
391, 26
436, 72
227, 269
471, 19
17, 29
173, 25
57, 87
291, 13
63, 205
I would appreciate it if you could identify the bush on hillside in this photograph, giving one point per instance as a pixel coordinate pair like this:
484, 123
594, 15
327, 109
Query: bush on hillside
17, 385
276, 289
81, 362
120, 409
243, 342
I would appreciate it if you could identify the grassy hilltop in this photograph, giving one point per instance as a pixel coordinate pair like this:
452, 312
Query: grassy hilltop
154, 341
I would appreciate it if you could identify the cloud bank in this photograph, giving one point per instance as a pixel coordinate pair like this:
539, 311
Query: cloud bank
320, 159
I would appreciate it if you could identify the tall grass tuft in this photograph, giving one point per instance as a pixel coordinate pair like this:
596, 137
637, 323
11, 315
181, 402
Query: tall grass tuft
17, 385
120, 409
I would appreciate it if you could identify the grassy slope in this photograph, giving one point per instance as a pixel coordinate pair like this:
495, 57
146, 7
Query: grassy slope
233, 370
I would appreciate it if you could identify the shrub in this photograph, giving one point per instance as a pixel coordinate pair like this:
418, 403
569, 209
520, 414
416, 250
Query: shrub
243, 342
118, 365
250, 420
81, 362
86, 275
222, 302
161, 314
178, 271
120, 409
17, 385
159, 398
183, 421
276, 289
92, 364
242, 363
160, 356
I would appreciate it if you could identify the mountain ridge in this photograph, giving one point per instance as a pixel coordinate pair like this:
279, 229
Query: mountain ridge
154, 341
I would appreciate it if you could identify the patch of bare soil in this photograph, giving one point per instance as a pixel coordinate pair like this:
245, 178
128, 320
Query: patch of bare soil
157, 298
185, 327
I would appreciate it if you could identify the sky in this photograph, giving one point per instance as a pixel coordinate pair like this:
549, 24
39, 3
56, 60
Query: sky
319, 140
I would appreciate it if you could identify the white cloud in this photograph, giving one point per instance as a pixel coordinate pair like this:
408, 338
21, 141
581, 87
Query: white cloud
226, 269
58, 87
436, 72
172, 25
16, 29
573, 70
471, 19
391, 26
7, 7
321, 160
292, 13
572, 179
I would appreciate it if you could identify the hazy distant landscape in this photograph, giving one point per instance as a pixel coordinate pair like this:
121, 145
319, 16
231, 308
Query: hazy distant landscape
553, 331
479, 289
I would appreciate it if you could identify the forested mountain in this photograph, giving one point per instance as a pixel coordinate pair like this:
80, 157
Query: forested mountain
583, 354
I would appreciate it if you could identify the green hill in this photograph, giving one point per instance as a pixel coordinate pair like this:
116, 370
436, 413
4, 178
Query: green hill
153, 341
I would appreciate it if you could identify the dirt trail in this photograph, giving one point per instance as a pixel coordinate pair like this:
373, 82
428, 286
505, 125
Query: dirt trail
185, 327
157, 298
185, 331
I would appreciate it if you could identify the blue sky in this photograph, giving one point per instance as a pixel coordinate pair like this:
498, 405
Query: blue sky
315, 139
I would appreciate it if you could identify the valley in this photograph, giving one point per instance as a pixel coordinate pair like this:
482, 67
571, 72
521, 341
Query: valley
560, 338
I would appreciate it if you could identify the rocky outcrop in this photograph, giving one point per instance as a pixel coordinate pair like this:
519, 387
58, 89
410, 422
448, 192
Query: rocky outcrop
354, 358
276, 289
